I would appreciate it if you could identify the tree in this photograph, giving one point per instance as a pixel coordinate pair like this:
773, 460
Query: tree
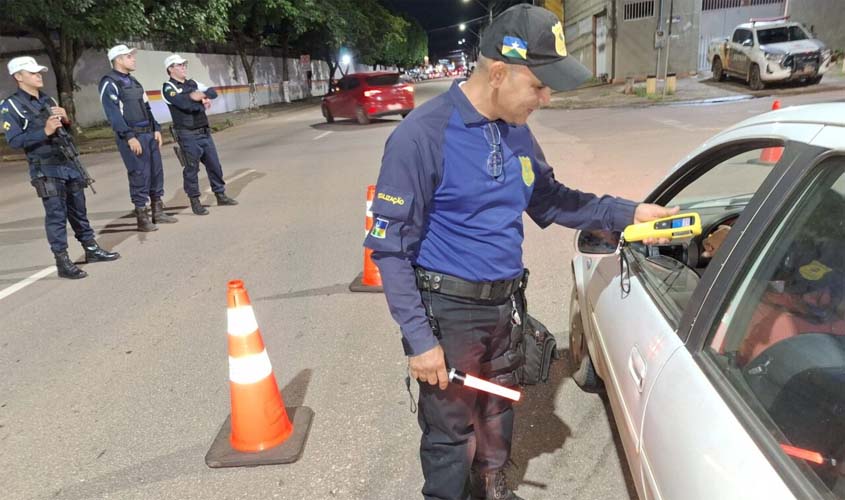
69, 27
254, 24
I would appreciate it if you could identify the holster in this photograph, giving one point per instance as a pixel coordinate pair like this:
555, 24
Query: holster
45, 187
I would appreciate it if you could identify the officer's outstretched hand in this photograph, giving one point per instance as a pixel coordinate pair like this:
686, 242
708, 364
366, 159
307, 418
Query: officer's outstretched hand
430, 367
649, 211
135, 146
159, 140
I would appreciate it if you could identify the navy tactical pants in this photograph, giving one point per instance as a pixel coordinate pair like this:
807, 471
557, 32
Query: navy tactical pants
199, 147
145, 172
463, 427
67, 205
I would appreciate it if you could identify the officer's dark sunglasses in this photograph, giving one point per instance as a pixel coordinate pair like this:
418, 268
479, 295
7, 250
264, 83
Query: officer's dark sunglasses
495, 160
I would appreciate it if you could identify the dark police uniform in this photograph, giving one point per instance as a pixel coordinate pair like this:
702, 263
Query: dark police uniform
128, 111
191, 125
445, 224
24, 119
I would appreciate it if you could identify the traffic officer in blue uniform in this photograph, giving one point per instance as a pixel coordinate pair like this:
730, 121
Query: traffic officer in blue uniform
31, 120
187, 101
138, 136
456, 176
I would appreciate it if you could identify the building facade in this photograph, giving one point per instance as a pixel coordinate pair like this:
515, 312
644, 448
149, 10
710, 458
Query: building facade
617, 39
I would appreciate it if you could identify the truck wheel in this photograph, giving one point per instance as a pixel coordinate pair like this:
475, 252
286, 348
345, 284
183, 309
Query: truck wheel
815, 80
584, 373
718, 72
754, 80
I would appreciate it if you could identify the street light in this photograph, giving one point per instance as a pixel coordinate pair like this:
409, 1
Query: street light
462, 27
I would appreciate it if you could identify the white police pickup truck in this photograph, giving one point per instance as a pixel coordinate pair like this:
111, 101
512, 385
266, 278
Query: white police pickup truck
770, 50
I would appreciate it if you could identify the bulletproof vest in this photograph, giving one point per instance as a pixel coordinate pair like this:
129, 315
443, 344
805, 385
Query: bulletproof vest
132, 98
183, 119
36, 119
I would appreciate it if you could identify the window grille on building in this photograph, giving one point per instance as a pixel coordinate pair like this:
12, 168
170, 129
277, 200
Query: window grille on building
637, 9
733, 4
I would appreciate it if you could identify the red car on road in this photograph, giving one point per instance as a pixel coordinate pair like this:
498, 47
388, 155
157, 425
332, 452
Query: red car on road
366, 95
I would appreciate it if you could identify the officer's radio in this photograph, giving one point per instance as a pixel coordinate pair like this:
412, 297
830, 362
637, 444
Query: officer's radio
676, 227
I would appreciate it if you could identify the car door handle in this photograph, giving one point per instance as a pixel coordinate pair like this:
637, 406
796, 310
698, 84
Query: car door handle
637, 368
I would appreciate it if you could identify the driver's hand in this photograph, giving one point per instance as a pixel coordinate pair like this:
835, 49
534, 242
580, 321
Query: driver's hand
714, 240
649, 211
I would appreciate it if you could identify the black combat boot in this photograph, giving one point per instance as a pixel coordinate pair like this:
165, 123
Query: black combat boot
145, 225
196, 206
491, 486
159, 217
222, 199
95, 253
66, 267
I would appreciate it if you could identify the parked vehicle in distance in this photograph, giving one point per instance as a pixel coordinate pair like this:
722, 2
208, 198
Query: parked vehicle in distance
770, 50
363, 96
723, 356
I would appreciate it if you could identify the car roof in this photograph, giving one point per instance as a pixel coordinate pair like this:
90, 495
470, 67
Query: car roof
790, 124
367, 74
767, 24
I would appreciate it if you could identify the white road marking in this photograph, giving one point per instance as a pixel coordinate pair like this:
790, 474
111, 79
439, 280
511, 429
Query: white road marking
20, 285
242, 174
322, 135
47, 271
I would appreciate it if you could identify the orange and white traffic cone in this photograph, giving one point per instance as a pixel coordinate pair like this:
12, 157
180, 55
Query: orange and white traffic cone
770, 156
370, 279
259, 431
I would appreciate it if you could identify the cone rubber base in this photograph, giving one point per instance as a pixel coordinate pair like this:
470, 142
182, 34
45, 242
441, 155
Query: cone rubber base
358, 285
222, 454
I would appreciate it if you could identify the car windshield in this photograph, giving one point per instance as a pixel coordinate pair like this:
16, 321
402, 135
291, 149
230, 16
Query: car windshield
383, 80
780, 35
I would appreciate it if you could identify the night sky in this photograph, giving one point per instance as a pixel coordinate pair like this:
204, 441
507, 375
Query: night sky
433, 14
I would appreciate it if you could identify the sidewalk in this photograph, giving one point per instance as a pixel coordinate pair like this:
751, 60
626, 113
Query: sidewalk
689, 90
101, 139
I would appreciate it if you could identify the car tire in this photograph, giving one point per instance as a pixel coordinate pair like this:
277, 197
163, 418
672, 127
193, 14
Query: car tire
754, 80
327, 114
404, 114
362, 117
718, 71
584, 373
815, 80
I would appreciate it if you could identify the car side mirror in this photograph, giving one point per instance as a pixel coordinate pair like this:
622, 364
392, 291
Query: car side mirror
598, 241
748, 43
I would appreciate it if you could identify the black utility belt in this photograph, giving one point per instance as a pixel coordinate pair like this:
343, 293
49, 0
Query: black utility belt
55, 161
142, 130
431, 281
194, 131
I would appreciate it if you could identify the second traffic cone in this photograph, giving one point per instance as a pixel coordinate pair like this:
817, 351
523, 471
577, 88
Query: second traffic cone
259, 430
772, 155
370, 279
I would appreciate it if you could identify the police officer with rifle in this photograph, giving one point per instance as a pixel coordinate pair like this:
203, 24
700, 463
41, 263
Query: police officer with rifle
34, 122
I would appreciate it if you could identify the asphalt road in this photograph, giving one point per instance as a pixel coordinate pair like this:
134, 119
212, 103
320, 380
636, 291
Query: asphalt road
115, 386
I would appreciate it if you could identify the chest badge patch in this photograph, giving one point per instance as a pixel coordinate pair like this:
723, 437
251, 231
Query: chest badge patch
814, 271
379, 228
527, 171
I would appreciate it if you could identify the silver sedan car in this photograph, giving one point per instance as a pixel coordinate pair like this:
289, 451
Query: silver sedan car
723, 356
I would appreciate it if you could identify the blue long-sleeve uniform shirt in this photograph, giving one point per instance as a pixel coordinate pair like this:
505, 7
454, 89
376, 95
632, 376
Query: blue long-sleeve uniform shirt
439, 206
20, 132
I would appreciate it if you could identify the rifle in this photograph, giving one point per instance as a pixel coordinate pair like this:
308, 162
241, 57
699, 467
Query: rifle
178, 149
71, 154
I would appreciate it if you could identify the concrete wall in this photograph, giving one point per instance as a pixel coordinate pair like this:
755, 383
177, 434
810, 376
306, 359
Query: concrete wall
826, 18
578, 29
222, 71
636, 55
720, 23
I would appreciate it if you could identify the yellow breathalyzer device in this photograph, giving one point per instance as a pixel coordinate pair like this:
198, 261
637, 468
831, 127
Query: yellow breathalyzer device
675, 227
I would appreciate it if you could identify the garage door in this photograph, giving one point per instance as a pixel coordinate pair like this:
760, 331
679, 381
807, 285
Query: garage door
720, 17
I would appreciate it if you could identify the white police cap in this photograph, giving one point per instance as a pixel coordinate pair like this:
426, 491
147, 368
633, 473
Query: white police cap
174, 59
25, 63
119, 50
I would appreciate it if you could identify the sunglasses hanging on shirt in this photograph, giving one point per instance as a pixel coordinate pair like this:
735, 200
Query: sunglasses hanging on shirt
495, 160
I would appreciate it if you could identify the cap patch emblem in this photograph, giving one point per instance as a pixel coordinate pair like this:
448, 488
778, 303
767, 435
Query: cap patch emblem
6, 126
379, 228
527, 170
560, 42
514, 47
